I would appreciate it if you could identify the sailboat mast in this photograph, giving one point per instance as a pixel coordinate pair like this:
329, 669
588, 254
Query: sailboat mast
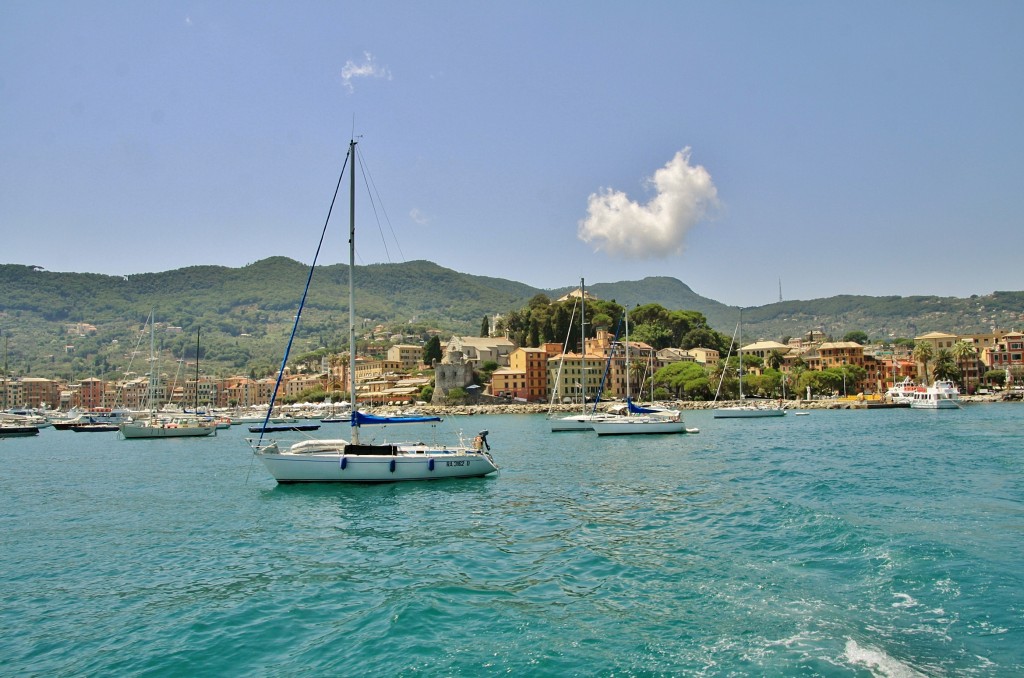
197, 370
583, 346
739, 351
152, 365
352, 288
627, 355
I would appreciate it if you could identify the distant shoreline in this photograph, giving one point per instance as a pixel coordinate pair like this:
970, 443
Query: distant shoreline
536, 408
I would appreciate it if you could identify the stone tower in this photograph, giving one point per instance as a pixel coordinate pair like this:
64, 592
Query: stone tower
452, 372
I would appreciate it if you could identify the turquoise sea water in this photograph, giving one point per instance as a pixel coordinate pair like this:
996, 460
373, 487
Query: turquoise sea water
844, 543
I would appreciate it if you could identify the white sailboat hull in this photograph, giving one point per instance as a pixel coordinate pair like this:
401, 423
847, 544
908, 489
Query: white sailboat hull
748, 412
134, 431
578, 422
638, 426
409, 463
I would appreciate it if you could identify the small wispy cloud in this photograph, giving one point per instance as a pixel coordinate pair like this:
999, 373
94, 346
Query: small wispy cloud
367, 69
683, 196
418, 217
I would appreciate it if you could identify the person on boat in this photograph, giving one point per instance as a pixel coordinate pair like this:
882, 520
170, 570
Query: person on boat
481, 441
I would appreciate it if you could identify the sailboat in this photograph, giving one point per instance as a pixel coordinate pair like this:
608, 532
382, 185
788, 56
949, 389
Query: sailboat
582, 420
744, 411
156, 426
639, 420
352, 461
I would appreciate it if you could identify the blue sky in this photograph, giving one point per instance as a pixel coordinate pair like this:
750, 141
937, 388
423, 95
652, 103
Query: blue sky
845, 148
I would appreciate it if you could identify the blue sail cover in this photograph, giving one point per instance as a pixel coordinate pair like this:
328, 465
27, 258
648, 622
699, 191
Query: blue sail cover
362, 419
637, 409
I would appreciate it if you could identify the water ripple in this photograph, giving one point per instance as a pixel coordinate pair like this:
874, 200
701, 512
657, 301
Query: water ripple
846, 543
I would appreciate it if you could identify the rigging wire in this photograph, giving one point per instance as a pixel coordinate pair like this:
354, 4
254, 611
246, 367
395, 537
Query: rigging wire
372, 192
302, 302
558, 376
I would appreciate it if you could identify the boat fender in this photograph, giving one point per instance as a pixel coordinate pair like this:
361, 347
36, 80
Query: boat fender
430, 465
344, 462
392, 465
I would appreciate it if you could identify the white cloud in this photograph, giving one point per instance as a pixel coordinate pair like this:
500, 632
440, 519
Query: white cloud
684, 195
367, 69
418, 217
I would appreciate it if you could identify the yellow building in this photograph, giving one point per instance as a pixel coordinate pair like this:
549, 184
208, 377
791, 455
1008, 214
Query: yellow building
409, 355
839, 353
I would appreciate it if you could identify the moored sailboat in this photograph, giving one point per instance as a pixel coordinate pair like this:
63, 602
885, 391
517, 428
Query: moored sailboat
745, 410
640, 420
352, 461
158, 426
581, 421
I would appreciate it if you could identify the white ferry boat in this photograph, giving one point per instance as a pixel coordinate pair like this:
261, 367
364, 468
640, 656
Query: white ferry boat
942, 395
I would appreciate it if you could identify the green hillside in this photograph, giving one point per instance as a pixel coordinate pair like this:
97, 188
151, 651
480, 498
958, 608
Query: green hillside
246, 313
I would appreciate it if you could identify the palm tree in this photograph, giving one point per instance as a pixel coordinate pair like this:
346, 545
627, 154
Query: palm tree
923, 353
963, 351
945, 366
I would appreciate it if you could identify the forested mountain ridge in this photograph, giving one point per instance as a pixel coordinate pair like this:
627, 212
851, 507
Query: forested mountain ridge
246, 313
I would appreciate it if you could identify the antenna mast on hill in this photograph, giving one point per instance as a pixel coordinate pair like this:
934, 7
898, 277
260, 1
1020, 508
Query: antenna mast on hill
780, 289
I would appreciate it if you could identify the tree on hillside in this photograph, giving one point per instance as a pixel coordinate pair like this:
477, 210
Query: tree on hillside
432, 351
539, 300
533, 334
856, 336
655, 334
485, 327
705, 337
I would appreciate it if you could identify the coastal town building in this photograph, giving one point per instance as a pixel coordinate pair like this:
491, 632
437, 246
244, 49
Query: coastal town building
409, 356
937, 340
840, 353
509, 382
570, 374
526, 377
368, 370
1007, 354
135, 393
237, 392
295, 385
203, 392
575, 294
545, 373
763, 349
33, 392
479, 350
668, 356
704, 356
629, 377
91, 393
